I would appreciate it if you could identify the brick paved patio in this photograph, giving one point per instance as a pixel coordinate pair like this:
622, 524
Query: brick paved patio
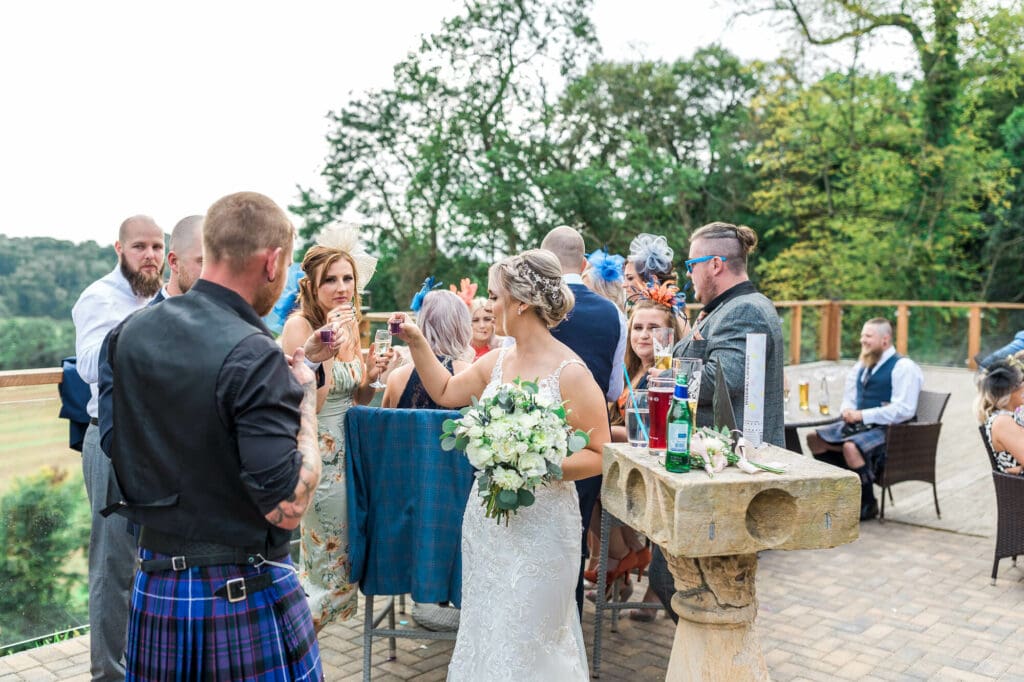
909, 600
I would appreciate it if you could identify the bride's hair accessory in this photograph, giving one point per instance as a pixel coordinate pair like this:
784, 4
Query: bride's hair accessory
667, 294
466, 291
549, 285
606, 266
651, 253
429, 284
345, 237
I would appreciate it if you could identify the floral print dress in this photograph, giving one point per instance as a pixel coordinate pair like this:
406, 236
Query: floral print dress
324, 548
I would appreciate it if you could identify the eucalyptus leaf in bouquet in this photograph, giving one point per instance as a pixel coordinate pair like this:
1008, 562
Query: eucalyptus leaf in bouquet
516, 439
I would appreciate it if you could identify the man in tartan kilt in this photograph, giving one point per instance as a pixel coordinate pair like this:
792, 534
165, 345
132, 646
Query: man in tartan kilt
881, 389
215, 449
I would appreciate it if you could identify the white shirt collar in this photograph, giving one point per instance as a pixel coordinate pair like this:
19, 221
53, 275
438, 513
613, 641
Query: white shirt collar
572, 278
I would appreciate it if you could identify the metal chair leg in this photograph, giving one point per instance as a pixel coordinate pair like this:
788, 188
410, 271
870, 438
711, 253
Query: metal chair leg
602, 585
935, 494
367, 637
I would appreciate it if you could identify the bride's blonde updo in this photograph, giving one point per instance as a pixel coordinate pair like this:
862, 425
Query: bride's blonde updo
534, 277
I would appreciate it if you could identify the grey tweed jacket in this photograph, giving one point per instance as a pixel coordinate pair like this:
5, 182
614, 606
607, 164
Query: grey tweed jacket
724, 343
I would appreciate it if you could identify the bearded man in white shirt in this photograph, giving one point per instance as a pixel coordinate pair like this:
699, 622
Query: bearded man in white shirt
101, 307
881, 389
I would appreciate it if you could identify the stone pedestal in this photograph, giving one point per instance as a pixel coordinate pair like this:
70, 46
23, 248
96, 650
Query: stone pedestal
710, 530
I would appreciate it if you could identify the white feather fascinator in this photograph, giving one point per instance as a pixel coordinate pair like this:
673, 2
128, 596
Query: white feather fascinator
345, 237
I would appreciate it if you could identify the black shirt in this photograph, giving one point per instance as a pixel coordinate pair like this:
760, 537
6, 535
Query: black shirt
746, 287
258, 397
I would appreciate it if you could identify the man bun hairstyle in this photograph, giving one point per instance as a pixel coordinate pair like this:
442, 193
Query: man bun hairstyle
534, 277
732, 241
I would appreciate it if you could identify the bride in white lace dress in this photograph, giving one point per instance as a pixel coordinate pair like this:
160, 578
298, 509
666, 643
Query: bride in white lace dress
519, 619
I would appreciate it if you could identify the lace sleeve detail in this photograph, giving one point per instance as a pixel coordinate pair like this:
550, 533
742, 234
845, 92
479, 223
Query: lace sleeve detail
553, 381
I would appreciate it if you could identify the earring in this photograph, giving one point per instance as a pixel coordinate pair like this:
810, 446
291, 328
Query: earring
520, 310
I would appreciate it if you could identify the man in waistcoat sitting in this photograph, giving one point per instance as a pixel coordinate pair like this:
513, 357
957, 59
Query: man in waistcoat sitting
881, 389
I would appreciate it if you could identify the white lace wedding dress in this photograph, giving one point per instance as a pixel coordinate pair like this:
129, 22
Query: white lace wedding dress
519, 620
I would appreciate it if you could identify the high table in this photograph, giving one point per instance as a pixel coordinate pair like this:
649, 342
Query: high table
710, 530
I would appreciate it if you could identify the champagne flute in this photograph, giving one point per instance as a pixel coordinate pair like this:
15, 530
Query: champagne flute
381, 345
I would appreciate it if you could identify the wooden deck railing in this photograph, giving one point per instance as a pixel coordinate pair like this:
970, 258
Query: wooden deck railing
829, 332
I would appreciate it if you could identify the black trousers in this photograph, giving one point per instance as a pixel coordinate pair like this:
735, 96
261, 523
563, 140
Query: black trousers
589, 490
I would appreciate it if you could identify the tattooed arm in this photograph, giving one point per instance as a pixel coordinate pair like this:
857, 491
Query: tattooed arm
288, 512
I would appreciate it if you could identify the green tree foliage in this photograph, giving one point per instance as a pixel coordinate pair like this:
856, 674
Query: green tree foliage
438, 162
31, 342
956, 172
44, 522
43, 277
651, 147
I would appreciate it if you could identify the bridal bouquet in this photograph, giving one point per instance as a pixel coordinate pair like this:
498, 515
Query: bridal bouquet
516, 440
713, 450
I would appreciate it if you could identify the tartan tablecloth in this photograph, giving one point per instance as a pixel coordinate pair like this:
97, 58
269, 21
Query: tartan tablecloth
406, 497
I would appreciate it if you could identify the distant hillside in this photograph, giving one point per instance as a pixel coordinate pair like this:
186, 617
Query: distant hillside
42, 277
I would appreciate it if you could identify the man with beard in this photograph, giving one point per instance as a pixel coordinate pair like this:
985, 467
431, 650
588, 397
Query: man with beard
218, 483
184, 257
103, 304
733, 308
881, 389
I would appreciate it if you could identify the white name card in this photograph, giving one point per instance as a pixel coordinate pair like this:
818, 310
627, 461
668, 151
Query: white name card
753, 396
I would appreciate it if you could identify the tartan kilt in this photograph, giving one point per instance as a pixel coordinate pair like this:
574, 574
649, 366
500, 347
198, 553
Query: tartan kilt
871, 443
179, 630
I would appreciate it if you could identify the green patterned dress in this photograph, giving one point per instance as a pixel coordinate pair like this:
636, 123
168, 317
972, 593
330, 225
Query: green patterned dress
324, 548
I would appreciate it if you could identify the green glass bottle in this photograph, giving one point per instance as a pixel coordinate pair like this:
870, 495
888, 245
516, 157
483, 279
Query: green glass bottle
680, 427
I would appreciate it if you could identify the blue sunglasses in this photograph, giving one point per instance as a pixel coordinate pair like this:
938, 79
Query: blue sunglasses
693, 261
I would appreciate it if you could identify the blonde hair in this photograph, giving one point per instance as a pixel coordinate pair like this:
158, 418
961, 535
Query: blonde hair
534, 277
613, 291
444, 320
238, 225
995, 388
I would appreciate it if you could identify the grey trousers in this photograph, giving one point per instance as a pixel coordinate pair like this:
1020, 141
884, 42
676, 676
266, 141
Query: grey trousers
661, 581
111, 567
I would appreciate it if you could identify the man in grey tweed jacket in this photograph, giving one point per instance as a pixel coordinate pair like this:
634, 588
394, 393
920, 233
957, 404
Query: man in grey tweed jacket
733, 308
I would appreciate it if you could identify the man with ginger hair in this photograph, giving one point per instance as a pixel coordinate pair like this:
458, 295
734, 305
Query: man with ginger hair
218, 484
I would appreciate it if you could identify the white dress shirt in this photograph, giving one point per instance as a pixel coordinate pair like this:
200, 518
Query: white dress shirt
907, 381
100, 308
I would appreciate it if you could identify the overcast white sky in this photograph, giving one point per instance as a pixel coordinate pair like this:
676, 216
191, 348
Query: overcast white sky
116, 108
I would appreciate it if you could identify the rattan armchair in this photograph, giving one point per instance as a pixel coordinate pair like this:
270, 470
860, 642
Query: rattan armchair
911, 448
1010, 511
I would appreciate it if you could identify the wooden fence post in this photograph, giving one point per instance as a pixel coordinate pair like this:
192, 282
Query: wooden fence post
973, 335
830, 331
902, 328
796, 319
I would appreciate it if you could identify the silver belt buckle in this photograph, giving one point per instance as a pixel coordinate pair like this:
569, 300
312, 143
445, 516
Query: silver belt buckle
236, 590
178, 563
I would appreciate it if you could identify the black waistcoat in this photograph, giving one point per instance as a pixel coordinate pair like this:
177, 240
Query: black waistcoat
176, 462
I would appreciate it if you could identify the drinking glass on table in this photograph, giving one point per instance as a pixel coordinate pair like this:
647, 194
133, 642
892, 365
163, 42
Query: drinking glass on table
663, 339
637, 419
691, 368
659, 399
381, 345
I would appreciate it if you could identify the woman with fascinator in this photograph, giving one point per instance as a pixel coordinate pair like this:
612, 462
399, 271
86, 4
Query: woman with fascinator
655, 307
335, 270
649, 261
603, 275
519, 619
